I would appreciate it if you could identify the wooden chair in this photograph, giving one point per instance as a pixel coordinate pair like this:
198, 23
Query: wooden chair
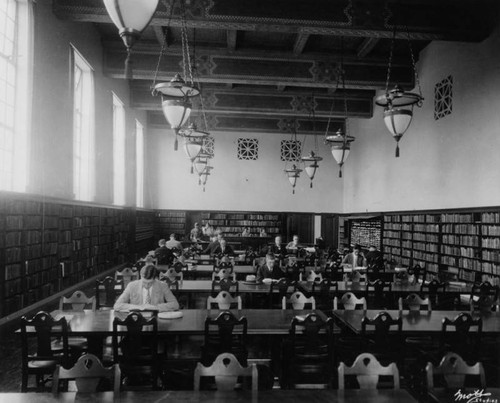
224, 300
126, 275
221, 337
171, 275
434, 291
106, 292
137, 351
310, 275
349, 302
484, 297
78, 302
226, 369
334, 272
324, 291
298, 301
378, 294
225, 284
368, 370
87, 373
415, 274
308, 357
466, 337
453, 369
284, 286
47, 355
221, 274
414, 303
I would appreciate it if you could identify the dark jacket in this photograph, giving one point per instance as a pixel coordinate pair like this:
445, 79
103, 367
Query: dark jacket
228, 251
264, 272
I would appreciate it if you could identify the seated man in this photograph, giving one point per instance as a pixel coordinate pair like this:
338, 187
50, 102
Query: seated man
196, 233
173, 243
210, 249
163, 254
223, 249
269, 269
278, 248
148, 293
354, 259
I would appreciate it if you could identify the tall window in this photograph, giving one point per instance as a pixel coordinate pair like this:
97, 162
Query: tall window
83, 128
15, 88
139, 147
118, 151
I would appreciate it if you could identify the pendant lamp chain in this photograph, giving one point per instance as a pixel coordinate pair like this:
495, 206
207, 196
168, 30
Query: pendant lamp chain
163, 46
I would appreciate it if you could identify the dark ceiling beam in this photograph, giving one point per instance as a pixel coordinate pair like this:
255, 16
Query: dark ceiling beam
232, 36
267, 69
300, 43
270, 103
367, 46
466, 20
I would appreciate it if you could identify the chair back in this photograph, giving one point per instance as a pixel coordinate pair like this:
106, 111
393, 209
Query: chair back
224, 273
306, 331
224, 335
466, 338
434, 290
324, 291
106, 291
226, 369
225, 284
310, 275
454, 370
414, 303
46, 328
78, 301
415, 274
367, 370
334, 272
350, 302
171, 275
224, 300
299, 301
87, 373
381, 325
377, 293
127, 275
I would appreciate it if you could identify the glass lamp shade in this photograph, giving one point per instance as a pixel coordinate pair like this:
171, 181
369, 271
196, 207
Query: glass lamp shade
176, 111
131, 17
293, 180
293, 174
192, 147
311, 164
340, 153
199, 165
397, 121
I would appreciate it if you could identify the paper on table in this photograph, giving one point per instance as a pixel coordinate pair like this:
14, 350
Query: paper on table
170, 315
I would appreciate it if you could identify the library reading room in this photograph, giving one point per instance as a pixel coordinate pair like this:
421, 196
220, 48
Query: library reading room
250, 201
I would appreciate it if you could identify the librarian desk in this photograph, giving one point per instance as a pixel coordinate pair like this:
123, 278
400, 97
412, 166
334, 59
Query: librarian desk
415, 322
265, 396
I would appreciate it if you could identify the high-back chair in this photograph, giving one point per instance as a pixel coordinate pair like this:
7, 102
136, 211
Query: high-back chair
484, 297
309, 358
224, 300
225, 284
226, 369
434, 291
310, 275
334, 272
87, 373
464, 337
453, 369
414, 303
126, 275
106, 292
368, 370
378, 294
298, 301
223, 271
78, 302
171, 275
137, 350
324, 291
284, 287
349, 302
48, 351
382, 336
416, 274
225, 334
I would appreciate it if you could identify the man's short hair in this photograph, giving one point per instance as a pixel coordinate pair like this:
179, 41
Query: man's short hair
162, 242
270, 256
149, 272
172, 235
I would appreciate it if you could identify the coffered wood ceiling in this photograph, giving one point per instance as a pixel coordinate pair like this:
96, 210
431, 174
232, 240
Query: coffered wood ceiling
263, 65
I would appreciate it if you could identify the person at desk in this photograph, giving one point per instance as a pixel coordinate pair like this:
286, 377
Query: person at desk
278, 249
208, 230
269, 269
163, 254
173, 243
148, 293
354, 259
294, 245
210, 249
223, 249
196, 233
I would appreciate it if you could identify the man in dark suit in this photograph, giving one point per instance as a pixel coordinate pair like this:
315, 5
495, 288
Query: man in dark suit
278, 249
269, 269
163, 254
223, 249
210, 249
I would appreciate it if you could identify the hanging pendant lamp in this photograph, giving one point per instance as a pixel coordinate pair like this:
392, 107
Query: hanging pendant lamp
340, 145
131, 17
311, 165
293, 174
204, 176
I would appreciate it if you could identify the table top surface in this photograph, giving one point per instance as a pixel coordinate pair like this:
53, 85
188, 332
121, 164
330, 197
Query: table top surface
415, 321
260, 321
396, 287
206, 286
268, 396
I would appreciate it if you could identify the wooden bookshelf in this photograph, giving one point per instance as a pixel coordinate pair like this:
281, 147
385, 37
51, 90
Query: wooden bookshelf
457, 245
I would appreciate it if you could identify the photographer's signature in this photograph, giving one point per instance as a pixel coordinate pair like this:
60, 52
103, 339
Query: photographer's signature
478, 396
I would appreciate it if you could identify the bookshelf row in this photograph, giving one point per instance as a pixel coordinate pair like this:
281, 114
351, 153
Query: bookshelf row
462, 246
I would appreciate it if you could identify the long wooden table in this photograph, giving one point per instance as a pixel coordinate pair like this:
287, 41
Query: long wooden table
205, 287
268, 396
415, 322
260, 321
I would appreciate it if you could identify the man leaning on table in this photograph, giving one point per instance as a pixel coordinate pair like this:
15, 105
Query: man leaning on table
148, 293
354, 259
269, 269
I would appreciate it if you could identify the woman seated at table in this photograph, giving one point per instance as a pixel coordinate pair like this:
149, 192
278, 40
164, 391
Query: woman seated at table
269, 269
148, 293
